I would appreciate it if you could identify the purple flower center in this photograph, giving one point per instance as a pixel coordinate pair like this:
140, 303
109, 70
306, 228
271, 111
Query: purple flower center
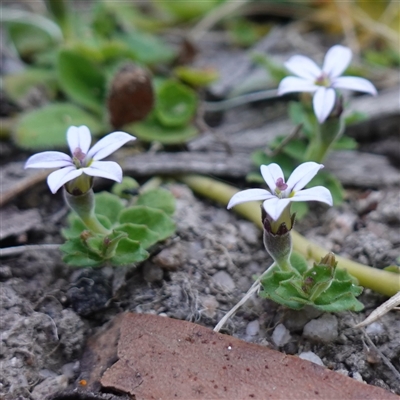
323, 80
78, 157
280, 184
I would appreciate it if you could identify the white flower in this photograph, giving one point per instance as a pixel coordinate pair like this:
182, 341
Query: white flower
323, 82
83, 160
281, 194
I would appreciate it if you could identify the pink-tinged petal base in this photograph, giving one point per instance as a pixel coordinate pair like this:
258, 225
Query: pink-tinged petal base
249, 195
105, 169
354, 83
304, 67
108, 144
337, 59
302, 175
317, 193
271, 173
275, 206
79, 137
48, 159
293, 84
323, 102
58, 178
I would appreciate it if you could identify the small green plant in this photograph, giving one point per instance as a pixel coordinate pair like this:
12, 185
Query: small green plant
289, 281
103, 229
318, 116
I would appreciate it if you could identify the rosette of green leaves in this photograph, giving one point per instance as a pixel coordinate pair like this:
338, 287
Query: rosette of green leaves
133, 230
324, 286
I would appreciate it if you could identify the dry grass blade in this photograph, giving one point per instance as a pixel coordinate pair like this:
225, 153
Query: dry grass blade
387, 306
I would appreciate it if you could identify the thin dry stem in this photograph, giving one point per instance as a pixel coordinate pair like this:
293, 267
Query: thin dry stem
387, 306
253, 289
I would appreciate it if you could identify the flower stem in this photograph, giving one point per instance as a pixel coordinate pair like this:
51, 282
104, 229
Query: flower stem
84, 205
384, 282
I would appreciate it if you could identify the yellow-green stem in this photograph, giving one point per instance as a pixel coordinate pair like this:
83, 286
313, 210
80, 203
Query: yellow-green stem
94, 225
380, 281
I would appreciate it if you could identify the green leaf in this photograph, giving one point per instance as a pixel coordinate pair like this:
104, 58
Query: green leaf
108, 205
259, 157
185, 10
344, 302
29, 39
129, 252
244, 32
196, 76
325, 178
345, 143
300, 114
76, 226
254, 177
140, 233
295, 149
158, 198
18, 85
176, 104
77, 254
299, 262
276, 71
156, 220
126, 189
46, 127
82, 80
148, 49
355, 117
300, 208
151, 130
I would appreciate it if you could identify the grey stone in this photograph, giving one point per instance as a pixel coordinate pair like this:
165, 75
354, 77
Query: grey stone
224, 280
323, 329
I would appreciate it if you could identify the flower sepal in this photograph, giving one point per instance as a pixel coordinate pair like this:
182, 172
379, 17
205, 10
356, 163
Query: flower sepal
323, 286
277, 238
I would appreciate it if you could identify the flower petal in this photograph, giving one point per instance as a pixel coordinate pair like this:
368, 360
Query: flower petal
302, 175
337, 59
249, 195
317, 193
304, 67
58, 178
48, 159
274, 206
271, 173
79, 137
294, 84
354, 83
105, 169
323, 102
108, 144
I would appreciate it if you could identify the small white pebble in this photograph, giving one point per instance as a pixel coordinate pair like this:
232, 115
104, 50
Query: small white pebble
357, 376
310, 356
252, 328
375, 329
281, 335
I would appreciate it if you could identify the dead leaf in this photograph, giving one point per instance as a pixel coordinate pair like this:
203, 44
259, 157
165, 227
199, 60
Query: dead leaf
163, 358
